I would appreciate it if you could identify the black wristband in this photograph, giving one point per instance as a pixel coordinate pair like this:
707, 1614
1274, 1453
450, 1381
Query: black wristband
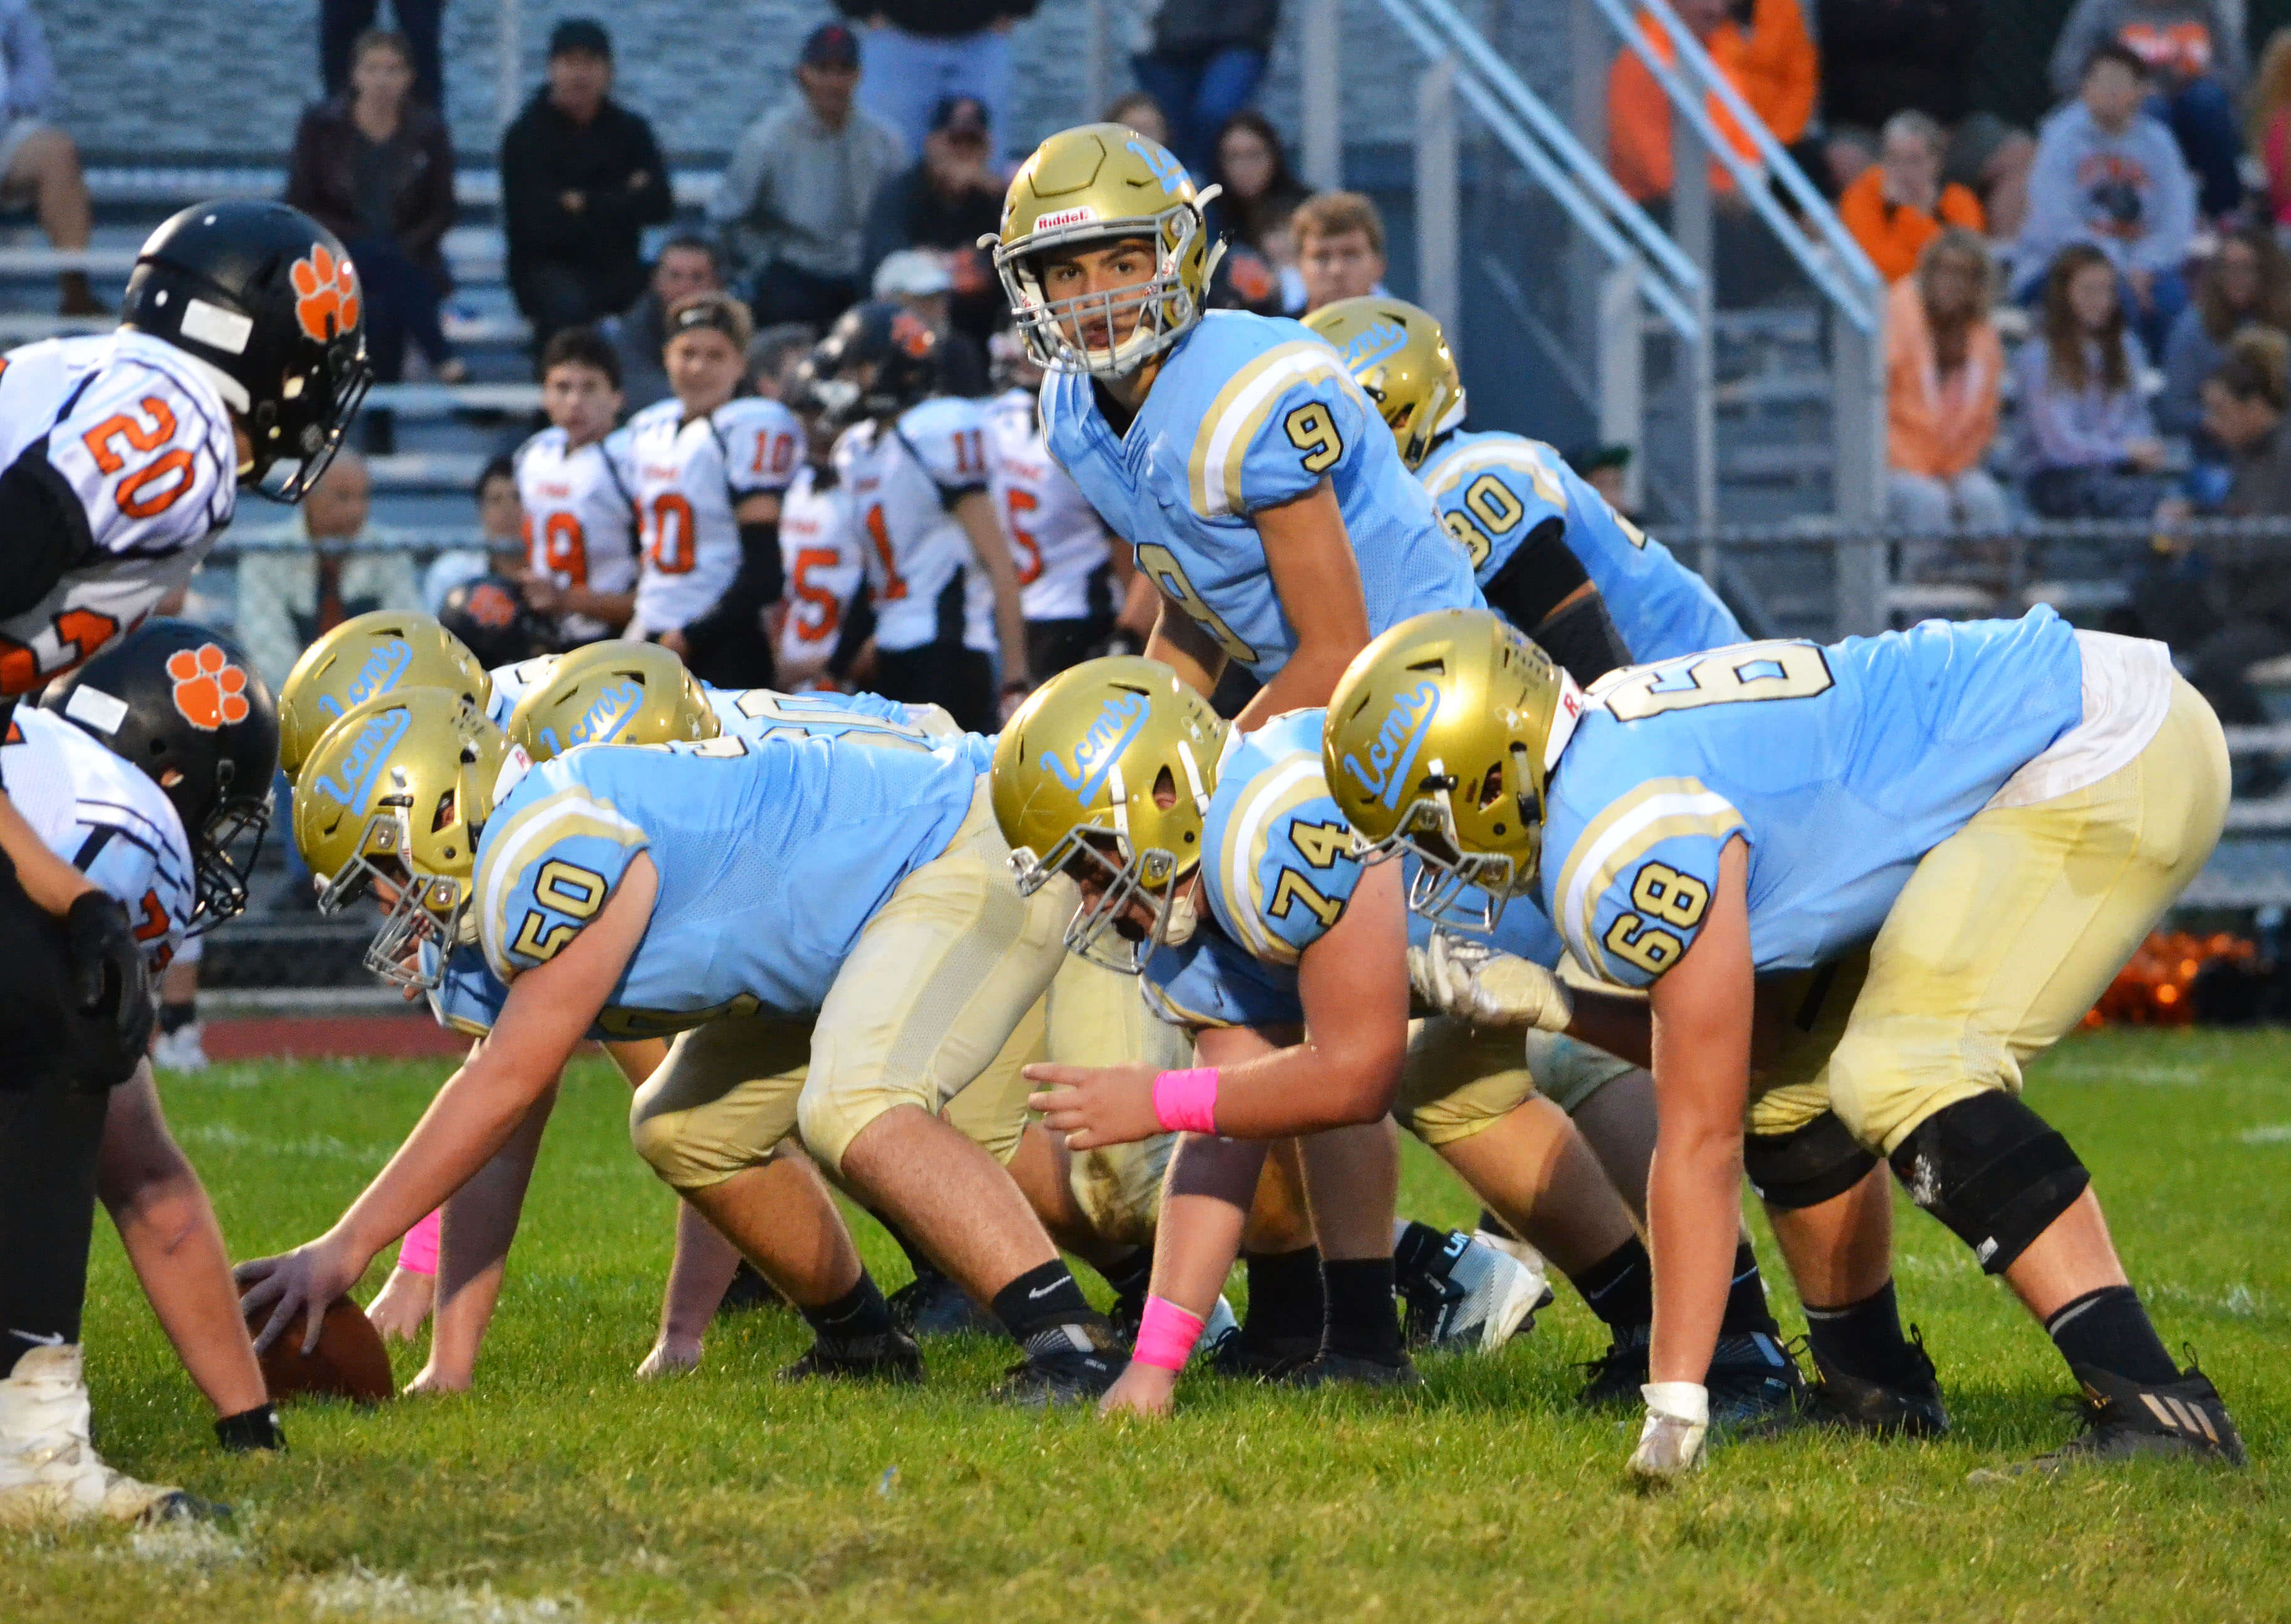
251, 1429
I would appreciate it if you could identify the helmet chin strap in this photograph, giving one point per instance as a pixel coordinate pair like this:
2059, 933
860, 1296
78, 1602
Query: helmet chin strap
233, 392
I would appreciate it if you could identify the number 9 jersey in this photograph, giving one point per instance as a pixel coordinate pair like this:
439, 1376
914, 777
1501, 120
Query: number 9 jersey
1249, 412
580, 518
125, 436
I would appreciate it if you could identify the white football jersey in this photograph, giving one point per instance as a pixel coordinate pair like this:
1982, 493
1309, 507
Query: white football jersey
819, 546
904, 478
107, 819
140, 436
1056, 539
580, 519
689, 478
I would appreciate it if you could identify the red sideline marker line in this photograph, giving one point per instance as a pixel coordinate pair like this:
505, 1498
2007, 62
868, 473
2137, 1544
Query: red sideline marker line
305, 1037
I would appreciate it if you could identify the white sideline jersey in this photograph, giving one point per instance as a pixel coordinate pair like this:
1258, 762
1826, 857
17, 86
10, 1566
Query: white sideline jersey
904, 478
819, 548
108, 820
1056, 539
689, 478
143, 440
580, 518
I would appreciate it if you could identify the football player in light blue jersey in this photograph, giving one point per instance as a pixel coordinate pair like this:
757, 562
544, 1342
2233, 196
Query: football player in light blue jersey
1937, 847
800, 914
1233, 452
1549, 554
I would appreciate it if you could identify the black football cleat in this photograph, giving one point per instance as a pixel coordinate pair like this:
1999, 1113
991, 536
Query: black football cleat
1910, 1409
748, 1291
1351, 1370
1067, 1364
1618, 1374
931, 1305
2124, 1421
1756, 1388
1264, 1359
890, 1356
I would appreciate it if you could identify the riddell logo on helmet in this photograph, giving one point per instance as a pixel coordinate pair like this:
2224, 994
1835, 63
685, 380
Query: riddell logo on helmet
325, 294
209, 692
1065, 217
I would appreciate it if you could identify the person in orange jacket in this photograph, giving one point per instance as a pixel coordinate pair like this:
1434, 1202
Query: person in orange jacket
1900, 204
1770, 62
1944, 369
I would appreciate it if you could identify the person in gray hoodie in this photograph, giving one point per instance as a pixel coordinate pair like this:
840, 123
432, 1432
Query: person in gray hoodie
2109, 175
2195, 55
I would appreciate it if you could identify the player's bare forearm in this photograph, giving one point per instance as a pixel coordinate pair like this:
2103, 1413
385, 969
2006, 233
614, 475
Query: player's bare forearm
53, 884
1184, 646
1317, 579
480, 1221
976, 513
1306, 680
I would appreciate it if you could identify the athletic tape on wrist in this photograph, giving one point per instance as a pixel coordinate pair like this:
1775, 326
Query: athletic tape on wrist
417, 1253
1186, 1102
1166, 1334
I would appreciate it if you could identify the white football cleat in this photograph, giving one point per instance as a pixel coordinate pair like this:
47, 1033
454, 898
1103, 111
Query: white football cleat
49, 1470
179, 1050
1471, 1297
1221, 1327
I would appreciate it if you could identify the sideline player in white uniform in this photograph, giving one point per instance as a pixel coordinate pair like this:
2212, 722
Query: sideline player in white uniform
710, 466
915, 465
821, 554
575, 485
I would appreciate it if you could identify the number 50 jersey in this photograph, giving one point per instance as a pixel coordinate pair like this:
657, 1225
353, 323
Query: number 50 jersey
136, 432
1249, 412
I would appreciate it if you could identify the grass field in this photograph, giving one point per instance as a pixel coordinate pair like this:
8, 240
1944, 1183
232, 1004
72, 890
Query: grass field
562, 1489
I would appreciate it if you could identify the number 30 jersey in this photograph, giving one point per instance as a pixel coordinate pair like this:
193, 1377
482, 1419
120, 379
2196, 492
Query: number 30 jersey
140, 438
905, 477
580, 518
690, 476
1249, 412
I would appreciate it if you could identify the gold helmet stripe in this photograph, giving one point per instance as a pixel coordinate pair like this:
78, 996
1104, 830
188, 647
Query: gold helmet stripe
571, 810
1239, 409
1618, 836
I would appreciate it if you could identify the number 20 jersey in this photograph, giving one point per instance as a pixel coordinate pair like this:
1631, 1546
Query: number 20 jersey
137, 434
1249, 412
1841, 767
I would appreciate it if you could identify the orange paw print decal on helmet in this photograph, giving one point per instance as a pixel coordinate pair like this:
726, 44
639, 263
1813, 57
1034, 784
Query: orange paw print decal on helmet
210, 691
325, 294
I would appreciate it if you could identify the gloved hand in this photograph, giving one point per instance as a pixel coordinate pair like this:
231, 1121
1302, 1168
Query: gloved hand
105, 958
1473, 982
1670, 1444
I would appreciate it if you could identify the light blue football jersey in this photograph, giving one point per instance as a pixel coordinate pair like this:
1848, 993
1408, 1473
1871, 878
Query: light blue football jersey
1493, 491
763, 714
1840, 766
1246, 413
770, 858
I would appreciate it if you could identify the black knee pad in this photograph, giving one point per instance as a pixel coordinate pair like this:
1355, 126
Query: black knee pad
1993, 1171
1806, 1166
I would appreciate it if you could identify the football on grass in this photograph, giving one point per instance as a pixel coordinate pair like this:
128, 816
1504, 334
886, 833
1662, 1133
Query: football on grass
348, 1361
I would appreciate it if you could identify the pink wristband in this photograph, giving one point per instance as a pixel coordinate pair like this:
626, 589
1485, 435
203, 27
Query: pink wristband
1166, 1335
1186, 1102
417, 1253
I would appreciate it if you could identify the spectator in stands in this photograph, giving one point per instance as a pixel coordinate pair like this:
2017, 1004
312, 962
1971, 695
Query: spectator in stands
342, 23
686, 266
501, 521
288, 597
772, 356
793, 200
377, 169
1944, 372
2194, 54
1901, 204
2268, 124
581, 176
1142, 114
1340, 247
2089, 450
2247, 284
917, 278
2108, 175
1203, 66
947, 202
38, 162
1260, 193
2244, 404
921, 52
1769, 62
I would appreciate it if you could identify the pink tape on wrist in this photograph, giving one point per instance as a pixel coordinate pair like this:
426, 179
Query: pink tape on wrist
1166, 1334
417, 1254
1186, 1102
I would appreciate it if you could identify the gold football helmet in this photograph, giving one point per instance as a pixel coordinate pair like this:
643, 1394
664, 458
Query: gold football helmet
1088, 186
1078, 776
1399, 355
1439, 737
612, 692
366, 656
396, 794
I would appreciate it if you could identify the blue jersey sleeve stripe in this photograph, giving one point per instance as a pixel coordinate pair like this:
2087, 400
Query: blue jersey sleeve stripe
1655, 812
1230, 426
530, 832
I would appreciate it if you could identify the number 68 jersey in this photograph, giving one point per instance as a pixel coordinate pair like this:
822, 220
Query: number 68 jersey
1247, 412
136, 433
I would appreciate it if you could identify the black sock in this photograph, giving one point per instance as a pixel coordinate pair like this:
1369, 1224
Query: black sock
1131, 1275
860, 1312
1746, 1298
1619, 1288
1285, 1299
50, 1136
174, 1018
1042, 1298
2108, 1331
1863, 1338
917, 1259
1418, 1247
1363, 1321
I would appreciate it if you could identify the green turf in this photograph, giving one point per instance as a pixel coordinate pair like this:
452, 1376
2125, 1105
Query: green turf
564, 1489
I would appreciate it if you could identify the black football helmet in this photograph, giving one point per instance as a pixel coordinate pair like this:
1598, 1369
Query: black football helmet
490, 616
876, 361
266, 296
182, 702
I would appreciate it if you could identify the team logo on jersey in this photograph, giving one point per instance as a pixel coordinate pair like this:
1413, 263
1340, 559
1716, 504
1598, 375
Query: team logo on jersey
1373, 343
1099, 748
1397, 740
1165, 169
325, 294
385, 664
365, 760
209, 691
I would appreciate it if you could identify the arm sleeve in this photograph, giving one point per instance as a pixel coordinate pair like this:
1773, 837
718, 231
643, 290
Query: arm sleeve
2053, 219
420, 239
45, 528
761, 581
858, 626
2180, 407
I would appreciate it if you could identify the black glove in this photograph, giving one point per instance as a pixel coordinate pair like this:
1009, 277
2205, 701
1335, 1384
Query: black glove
106, 961
251, 1429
